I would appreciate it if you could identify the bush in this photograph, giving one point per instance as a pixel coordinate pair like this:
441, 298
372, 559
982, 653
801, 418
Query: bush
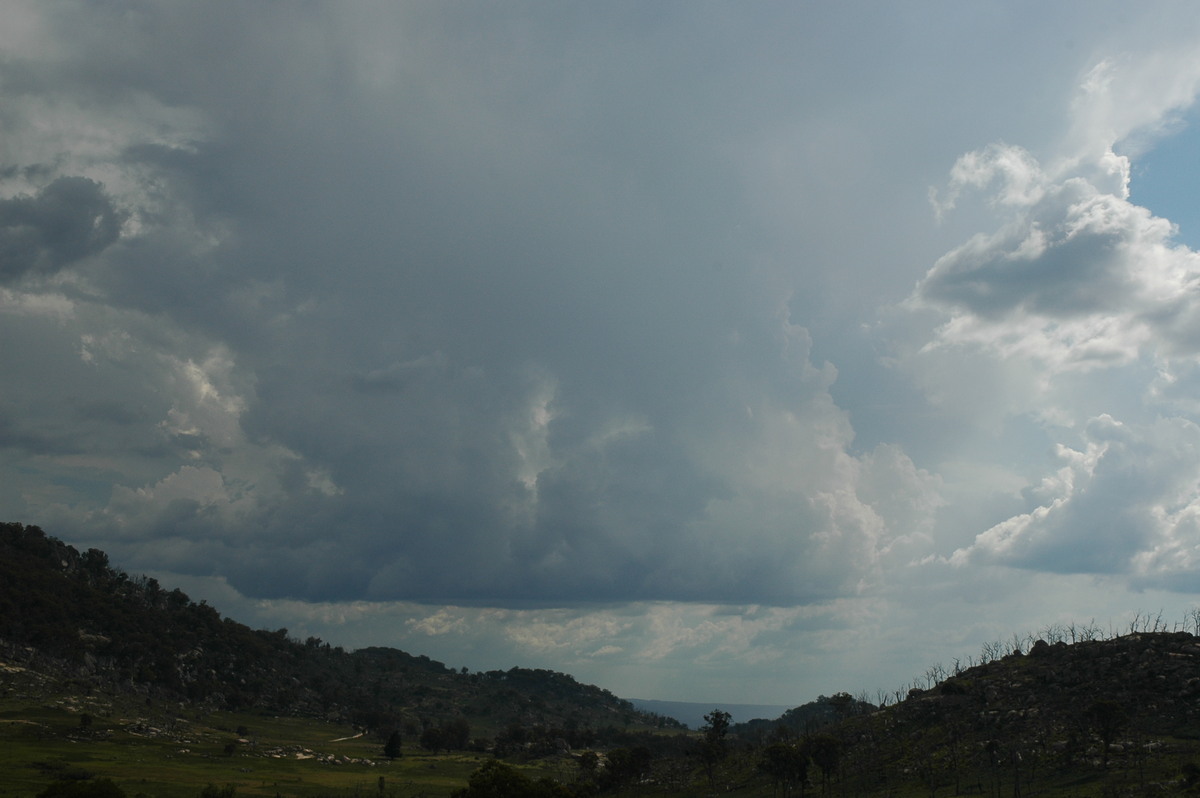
494, 779
213, 791
100, 788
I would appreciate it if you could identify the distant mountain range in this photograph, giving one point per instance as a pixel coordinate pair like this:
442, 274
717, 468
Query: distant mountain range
691, 714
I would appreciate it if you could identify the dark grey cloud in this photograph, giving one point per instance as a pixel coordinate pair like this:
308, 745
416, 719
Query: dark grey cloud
491, 288
1066, 257
534, 306
68, 220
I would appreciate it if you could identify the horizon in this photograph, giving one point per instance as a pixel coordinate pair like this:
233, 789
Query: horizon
769, 351
1133, 622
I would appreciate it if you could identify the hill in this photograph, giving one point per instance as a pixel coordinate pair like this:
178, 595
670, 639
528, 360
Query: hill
105, 674
73, 614
1118, 716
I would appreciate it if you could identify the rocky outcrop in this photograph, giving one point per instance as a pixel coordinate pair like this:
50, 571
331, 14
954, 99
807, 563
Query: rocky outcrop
1154, 677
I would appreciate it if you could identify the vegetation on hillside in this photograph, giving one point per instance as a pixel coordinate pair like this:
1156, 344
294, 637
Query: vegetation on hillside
112, 685
114, 630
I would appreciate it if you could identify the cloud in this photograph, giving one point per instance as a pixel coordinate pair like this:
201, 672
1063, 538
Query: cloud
1125, 504
65, 222
584, 332
1080, 278
1127, 493
1087, 303
1132, 97
616, 645
398, 339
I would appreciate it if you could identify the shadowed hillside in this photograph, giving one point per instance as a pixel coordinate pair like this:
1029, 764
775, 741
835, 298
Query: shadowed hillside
72, 612
97, 666
1119, 716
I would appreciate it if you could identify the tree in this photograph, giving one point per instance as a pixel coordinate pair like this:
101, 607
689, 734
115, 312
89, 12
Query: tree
451, 735
826, 753
431, 738
713, 746
627, 765
716, 725
97, 788
589, 761
494, 779
391, 749
1107, 718
787, 766
456, 734
842, 704
95, 563
213, 791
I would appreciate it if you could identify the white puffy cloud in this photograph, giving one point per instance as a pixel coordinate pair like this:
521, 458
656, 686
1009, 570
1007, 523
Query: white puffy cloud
1081, 278
1086, 304
1120, 504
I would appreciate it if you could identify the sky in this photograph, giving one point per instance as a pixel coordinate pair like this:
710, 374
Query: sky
709, 352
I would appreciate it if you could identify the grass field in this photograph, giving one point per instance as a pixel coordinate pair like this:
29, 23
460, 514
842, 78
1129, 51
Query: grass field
53, 731
169, 750
277, 756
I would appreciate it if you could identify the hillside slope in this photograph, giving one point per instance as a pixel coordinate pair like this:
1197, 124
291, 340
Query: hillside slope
1123, 713
1118, 716
71, 611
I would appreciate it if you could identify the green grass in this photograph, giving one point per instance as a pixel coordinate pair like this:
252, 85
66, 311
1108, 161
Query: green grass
149, 751
162, 749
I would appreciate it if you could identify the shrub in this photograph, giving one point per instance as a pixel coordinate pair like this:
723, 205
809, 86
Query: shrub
100, 788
